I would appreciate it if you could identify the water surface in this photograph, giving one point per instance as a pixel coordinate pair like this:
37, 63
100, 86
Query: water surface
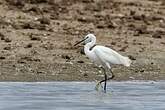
82, 96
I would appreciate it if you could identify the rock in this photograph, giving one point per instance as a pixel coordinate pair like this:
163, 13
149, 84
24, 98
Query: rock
132, 13
85, 19
155, 18
28, 58
113, 43
28, 45
87, 1
32, 37
31, 25
2, 36
2, 57
32, 9
18, 3
163, 2
80, 61
123, 48
101, 25
38, 1
66, 57
131, 57
157, 35
40, 26
21, 61
27, 25
142, 70
7, 40
44, 20
162, 43
138, 16
7, 48
111, 24
85, 75
141, 29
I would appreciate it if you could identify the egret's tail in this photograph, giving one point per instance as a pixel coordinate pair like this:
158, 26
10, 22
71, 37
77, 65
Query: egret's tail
127, 62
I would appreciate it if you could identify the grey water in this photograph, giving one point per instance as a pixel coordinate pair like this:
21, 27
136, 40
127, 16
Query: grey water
82, 96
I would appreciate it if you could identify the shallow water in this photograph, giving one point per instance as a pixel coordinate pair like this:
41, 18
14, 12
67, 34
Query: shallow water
82, 96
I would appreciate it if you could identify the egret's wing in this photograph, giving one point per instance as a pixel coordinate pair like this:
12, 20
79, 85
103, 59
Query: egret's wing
107, 55
117, 58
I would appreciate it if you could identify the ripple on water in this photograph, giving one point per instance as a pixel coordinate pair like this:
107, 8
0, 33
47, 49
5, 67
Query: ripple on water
81, 95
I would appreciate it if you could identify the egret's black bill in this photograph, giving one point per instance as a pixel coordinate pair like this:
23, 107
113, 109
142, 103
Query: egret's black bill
79, 42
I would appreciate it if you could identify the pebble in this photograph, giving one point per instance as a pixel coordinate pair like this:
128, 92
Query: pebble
2, 57
7, 40
80, 61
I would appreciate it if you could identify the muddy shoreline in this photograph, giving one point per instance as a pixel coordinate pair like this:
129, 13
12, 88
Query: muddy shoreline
37, 37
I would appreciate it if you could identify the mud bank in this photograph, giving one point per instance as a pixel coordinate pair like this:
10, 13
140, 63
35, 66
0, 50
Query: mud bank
37, 37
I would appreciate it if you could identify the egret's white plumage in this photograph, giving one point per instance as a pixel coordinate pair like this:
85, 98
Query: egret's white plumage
103, 56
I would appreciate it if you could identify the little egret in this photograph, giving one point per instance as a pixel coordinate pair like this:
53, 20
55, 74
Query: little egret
102, 56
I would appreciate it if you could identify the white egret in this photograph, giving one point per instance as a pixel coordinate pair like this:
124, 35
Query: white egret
104, 57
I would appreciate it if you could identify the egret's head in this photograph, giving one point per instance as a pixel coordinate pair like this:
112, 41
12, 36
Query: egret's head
88, 38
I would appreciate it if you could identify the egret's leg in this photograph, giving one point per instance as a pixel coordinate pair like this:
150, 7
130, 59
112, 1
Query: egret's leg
105, 80
98, 84
111, 77
105, 83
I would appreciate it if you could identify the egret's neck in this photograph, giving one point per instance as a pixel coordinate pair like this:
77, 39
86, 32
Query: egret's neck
88, 46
